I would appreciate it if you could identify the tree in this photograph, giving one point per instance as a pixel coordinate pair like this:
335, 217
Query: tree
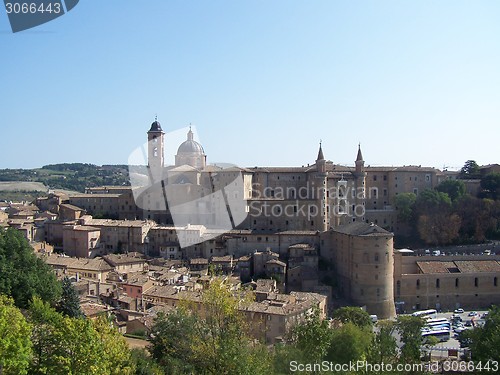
384, 348
454, 188
435, 222
439, 228
490, 186
114, 353
64, 345
478, 217
312, 338
405, 203
470, 170
144, 364
484, 342
15, 344
69, 303
22, 274
209, 337
409, 327
170, 342
349, 343
355, 315
429, 201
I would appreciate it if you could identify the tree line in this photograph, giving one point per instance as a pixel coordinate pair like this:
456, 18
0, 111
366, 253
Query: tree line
448, 215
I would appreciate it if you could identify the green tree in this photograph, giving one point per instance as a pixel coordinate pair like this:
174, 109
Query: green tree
15, 344
454, 188
312, 337
484, 342
64, 345
384, 348
409, 328
144, 364
490, 186
405, 203
430, 200
22, 274
470, 170
115, 354
69, 303
209, 338
355, 315
170, 341
350, 343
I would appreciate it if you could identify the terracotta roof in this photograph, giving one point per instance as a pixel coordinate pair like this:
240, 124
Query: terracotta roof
437, 267
71, 207
120, 259
473, 266
95, 264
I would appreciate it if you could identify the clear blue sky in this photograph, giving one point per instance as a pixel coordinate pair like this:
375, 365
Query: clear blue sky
416, 82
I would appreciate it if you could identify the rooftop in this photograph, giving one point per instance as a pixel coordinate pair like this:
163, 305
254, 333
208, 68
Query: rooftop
359, 228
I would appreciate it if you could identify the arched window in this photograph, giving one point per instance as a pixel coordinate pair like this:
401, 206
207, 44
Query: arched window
155, 151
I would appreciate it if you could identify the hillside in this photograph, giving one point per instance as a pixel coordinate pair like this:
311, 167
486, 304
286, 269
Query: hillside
68, 176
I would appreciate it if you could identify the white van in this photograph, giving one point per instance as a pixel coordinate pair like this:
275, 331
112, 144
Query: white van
374, 318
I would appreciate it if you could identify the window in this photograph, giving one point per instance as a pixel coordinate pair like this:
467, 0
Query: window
427, 177
376, 257
418, 283
476, 282
385, 178
437, 283
456, 282
495, 281
375, 178
398, 288
415, 191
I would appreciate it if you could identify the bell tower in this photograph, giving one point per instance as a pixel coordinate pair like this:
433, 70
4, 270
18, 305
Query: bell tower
156, 146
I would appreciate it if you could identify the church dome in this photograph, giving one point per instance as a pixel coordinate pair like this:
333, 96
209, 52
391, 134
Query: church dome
190, 146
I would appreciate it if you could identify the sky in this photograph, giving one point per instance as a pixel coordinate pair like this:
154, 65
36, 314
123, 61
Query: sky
262, 81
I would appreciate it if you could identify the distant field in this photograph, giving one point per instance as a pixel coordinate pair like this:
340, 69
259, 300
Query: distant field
22, 186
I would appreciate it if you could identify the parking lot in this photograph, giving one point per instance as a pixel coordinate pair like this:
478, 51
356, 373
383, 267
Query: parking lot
441, 349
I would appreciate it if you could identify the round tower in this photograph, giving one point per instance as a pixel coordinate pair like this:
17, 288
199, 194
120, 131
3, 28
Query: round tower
372, 265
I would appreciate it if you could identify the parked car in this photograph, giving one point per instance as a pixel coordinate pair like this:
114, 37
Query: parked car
459, 311
473, 313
